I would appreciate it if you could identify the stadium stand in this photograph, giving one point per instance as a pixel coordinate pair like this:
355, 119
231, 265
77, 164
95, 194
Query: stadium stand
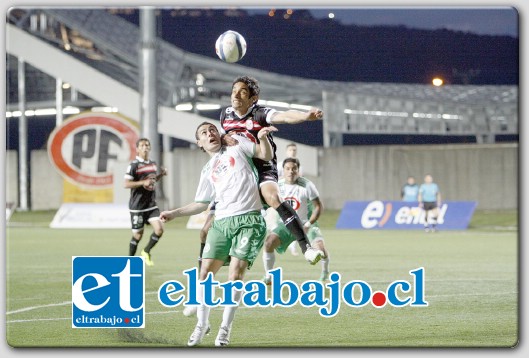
187, 78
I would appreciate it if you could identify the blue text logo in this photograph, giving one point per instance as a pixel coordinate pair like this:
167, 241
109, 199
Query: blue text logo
108, 292
285, 293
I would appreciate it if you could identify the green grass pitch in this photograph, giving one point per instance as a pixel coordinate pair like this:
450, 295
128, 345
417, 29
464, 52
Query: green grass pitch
471, 282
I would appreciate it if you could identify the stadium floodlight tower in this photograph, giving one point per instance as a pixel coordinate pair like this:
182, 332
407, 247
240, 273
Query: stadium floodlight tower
149, 103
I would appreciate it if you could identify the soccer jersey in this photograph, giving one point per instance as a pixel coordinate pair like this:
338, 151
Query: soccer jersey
253, 121
299, 195
410, 192
141, 199
429, 192
230, 178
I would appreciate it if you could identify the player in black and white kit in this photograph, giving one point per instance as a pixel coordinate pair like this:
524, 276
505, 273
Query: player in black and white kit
140, 178
246, 116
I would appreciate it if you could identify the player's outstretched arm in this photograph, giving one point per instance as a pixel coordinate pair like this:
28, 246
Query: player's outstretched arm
264, 149
295, 117
188, 210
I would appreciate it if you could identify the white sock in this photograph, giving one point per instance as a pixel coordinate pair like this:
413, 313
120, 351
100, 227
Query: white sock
269, 259
202, 310
325, 263
229, 311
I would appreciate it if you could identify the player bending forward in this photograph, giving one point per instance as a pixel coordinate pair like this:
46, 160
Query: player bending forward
304, 198
238, 229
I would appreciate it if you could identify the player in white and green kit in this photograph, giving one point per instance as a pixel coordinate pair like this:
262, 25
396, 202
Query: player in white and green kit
303, 196
238, 230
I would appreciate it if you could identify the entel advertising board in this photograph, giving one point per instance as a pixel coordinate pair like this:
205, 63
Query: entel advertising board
394, 215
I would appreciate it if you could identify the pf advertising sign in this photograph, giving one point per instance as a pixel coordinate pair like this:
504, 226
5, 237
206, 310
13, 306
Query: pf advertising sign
453, 215
85, 147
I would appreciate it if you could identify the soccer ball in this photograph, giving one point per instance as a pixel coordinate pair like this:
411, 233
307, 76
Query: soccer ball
230, 46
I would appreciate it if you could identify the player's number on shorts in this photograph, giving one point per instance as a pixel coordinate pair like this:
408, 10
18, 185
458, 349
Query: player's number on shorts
244, 242
137, 219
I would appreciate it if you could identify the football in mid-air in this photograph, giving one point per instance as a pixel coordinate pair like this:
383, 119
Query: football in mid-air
230, 46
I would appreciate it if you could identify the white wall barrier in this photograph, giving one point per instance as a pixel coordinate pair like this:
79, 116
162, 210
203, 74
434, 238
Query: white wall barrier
487, 174
92, 216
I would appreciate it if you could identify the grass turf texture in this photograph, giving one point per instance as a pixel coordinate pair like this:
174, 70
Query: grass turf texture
471, 287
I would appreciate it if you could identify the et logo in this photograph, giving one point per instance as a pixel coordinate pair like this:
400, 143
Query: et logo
108, 292
85, 147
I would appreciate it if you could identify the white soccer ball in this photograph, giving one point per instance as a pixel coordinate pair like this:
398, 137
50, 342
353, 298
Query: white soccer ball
230, 46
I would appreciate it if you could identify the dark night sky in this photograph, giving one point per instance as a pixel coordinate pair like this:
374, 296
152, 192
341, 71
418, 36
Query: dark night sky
477, 20
444, 50
336, 50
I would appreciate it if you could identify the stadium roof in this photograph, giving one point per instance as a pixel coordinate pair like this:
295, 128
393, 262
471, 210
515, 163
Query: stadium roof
112, 45
115, 53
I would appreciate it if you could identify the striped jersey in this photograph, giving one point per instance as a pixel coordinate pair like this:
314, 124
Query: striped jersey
253, 121
141, 199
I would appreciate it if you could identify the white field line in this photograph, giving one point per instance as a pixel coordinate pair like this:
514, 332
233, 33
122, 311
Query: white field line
31, 308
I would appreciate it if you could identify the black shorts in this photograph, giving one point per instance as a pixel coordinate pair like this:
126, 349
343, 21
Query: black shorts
429, 205
139, 219
267, 171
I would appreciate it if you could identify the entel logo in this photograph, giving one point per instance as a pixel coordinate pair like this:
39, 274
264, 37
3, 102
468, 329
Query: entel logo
108, 292
378, 214
85, 146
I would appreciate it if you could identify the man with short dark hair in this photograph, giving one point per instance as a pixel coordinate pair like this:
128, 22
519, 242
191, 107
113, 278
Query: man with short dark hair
245, 116
238, 229
141, 177
305, 198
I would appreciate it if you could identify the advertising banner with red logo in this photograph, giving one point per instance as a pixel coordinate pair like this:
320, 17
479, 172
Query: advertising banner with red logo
84, 150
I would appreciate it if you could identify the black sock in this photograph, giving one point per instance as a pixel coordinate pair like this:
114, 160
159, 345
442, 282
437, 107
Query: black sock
152, 241
293, 223
133, 246
202, 245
